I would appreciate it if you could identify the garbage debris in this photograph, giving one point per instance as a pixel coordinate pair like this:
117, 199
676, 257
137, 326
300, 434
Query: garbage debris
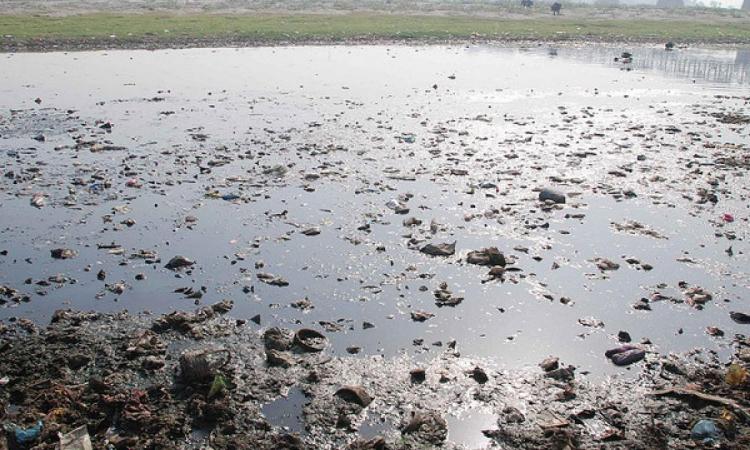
179, 262
24, 436
77, 439
439, 249
62, 253
202, 365
355, 394
486, 257
310, 340
625, 355
554, 196
706, 431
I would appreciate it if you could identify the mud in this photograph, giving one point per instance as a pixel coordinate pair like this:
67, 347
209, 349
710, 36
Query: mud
97, 370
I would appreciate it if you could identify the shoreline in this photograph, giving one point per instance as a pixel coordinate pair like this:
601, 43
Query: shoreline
126, 378
86, 45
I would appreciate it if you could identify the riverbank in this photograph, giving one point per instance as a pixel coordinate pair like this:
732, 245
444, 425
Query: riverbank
139, 381
171, 30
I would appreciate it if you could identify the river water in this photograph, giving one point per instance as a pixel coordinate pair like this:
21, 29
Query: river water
326, 136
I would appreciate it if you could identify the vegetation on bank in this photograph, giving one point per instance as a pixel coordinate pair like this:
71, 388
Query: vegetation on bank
111, 29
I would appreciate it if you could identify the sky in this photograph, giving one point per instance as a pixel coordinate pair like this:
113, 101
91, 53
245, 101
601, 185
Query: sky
721, 3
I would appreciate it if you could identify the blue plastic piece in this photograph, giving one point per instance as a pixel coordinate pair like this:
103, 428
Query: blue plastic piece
29, 434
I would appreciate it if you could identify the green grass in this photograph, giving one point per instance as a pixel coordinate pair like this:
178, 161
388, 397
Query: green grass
312, 27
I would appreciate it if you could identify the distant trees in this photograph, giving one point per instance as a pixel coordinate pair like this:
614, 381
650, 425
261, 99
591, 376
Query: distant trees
672, 3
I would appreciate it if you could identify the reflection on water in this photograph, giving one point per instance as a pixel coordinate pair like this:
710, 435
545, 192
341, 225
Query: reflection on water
715, 66
286, 412
336, 117
467, 429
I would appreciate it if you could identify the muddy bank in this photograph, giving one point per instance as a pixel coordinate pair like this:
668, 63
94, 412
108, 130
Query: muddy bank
190, 379
40, 45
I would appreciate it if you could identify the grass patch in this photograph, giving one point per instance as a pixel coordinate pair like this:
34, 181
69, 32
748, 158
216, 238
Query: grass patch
311, 27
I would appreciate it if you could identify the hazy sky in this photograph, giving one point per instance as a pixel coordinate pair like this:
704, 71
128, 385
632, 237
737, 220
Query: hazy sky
725, 3
722, 3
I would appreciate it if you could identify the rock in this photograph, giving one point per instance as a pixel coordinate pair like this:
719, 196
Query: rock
591, 322
625, 355
38, 200
421, 316
417, 375
444, 297
279, 359
551, 195
479, 375
178, 262
439, 249
428, 427
548, 420
276, 171
354, 394
643, 304
288, 442
313, 231
624, 336
117, 288
144, 343
411, 222
550, 364
490, 256
674, 367
513, 415
395, 204
376, 443
604, 264
62, 253
230, 197
223, 306
280, 339
697, 296
497, 272
303, 304
78, 361
153, 362
739, 317
202, 365
562, 374
272, 279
